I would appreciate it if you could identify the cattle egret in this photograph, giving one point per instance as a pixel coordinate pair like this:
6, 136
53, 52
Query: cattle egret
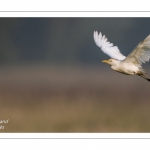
130, 65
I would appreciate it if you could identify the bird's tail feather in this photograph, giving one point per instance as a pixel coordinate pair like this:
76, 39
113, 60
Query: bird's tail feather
143, 76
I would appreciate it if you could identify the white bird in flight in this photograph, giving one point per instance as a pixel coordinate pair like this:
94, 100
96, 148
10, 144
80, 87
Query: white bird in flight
130, 65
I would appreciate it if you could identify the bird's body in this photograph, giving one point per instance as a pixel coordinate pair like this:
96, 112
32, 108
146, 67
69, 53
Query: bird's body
122, 67
129, 65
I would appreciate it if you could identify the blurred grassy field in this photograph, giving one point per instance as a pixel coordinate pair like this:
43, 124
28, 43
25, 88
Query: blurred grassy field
73, 99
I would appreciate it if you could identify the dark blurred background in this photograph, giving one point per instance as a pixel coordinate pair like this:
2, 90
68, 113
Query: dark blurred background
52, 78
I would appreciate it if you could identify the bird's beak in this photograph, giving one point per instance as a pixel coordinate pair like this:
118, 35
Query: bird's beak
105, 61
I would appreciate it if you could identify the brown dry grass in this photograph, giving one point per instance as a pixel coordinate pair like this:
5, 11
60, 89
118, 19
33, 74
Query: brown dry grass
77, 99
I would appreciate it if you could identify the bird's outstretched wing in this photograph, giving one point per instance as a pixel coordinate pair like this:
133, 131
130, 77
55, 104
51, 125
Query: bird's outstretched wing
141, 53
107, 47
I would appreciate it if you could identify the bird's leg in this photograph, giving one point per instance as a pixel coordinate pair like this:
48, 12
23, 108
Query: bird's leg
143, 76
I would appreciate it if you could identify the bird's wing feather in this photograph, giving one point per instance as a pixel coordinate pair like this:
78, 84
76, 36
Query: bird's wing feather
107, 47
141, 53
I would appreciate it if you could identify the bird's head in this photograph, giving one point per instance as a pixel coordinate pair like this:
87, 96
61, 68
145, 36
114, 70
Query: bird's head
111, 61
